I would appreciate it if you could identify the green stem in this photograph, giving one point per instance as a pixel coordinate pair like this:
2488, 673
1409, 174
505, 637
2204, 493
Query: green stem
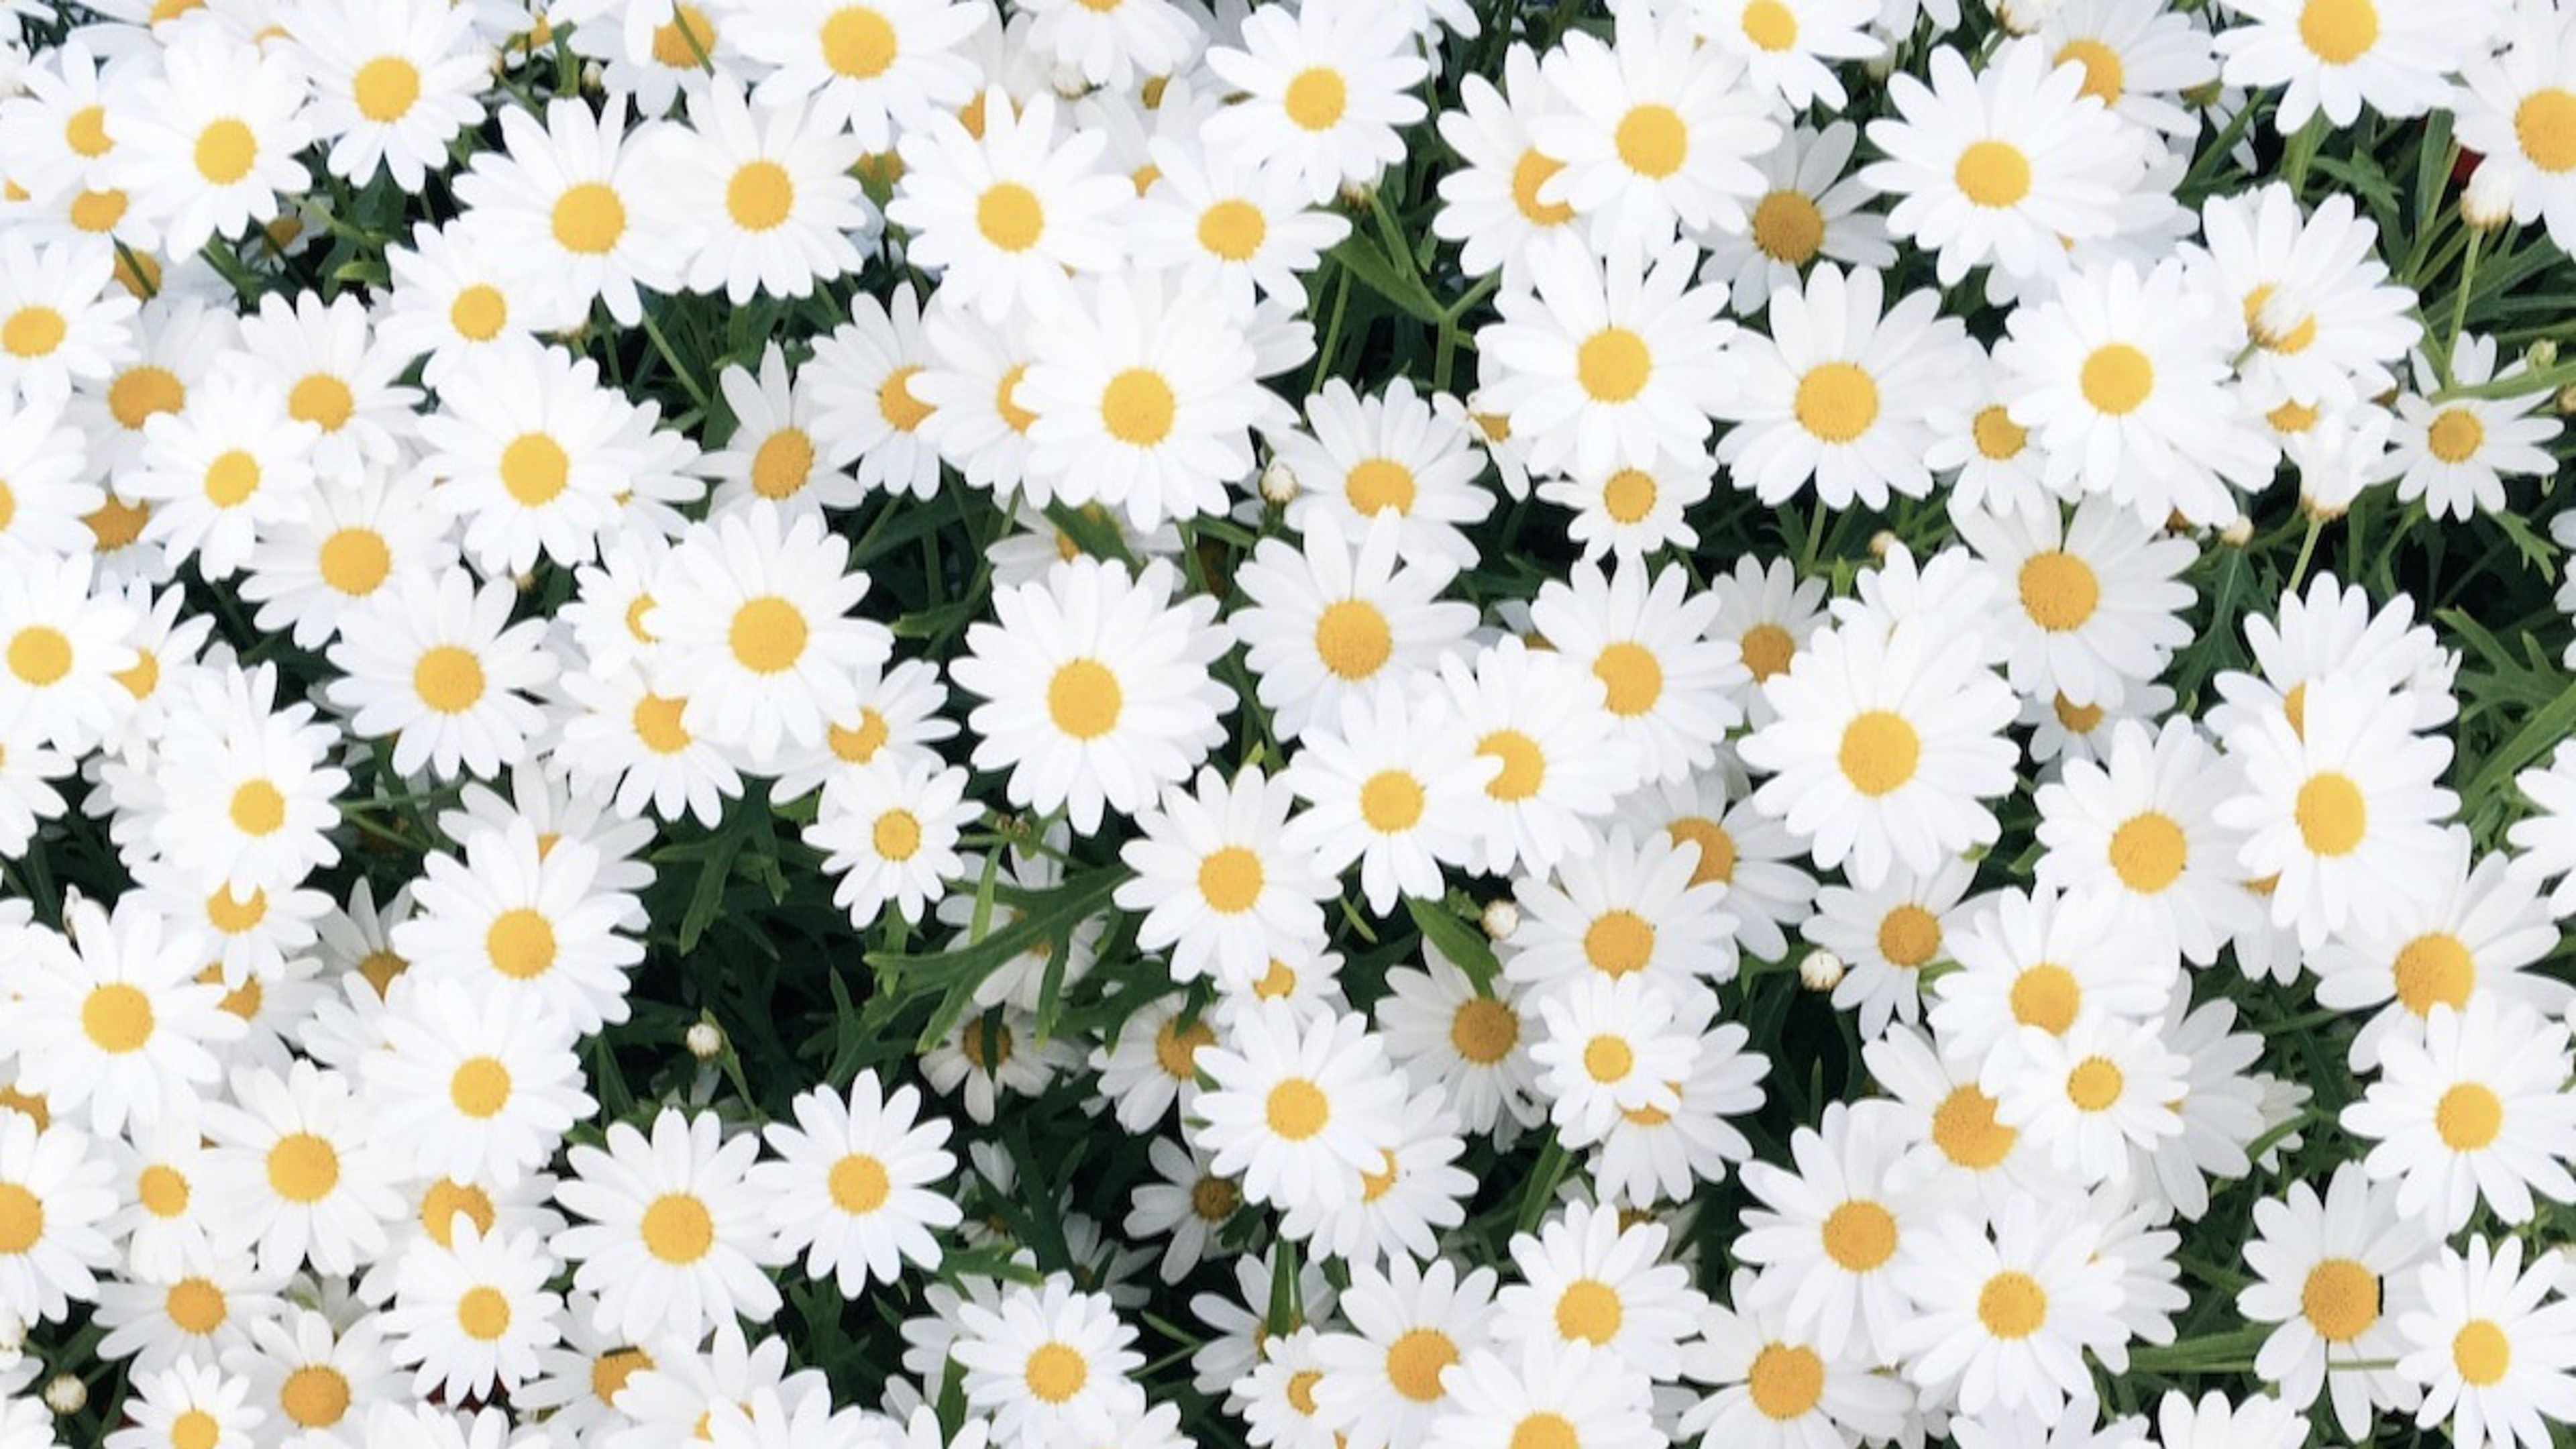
2460, 302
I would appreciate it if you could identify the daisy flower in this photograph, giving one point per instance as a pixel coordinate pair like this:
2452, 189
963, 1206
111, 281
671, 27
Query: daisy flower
2092, 1095
2325, 323
1608, 362
869, 67
2474, 1113
1333, 615
1915, 728
2101, 601
1324, 91
208, 144
1633, 907
354, 541
1003, 213
1740, 848
1956, 1147
1590, 1281
2121, 379
1097, 687
1298, 1109
1383, 1379
2007, 164
1771, 1389
2139, 826
773, 191
773, 453
525, 922
293, 1174
1220, 886
866, 415
223, 469
2005, 1313
2517, 108
1245, 230
753, 627
568, 196
1655, 130
1390, 453
1827, 1234
890, 835
2454, 454
114, 1020
2335, 56
1886, 937
1113, 45
2138, 57
392, 86
1144, 389
2041, 960
1671, 688
2494, 1345
473, 1314
479, 1090
55, 1193
1562, 764
455, 303
60, 322
1043, 1355
1807, 209
63, 646
1570, 1394
673, 1238
1417, 1193
1489, 203
1840, 396
851, 1188
1389, 782
2337, 1274
437, 664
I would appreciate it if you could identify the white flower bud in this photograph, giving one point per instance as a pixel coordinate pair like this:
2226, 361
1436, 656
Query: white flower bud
1501, 918
706, 1040
65, 1394
2487, 201
1820, 969
1278, 484
1880, 542
2237, 532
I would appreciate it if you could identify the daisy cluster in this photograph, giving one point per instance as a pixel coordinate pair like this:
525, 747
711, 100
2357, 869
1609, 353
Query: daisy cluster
1331, 724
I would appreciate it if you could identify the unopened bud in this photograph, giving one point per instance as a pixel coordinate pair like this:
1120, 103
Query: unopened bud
592, 75
2021, 17
1880, 542
1501, 918
1820, 969
2541, 355
66, 1395
2487, 201
2567, 400
1278, 483
705, 1040
2236, 532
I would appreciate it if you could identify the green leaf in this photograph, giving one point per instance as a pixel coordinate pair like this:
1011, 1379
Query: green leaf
1463, 944
1048, 915
1364, 260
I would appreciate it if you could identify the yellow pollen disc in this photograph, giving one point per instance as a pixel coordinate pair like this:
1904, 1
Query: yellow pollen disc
1352, 639
385, 88
257, 808
1316, 98
520, 943
22, 1219
1137, 407
1084, 699
1767, 650
1993, 174
448, 679
1588, 1310
2454, 435
1545, 1429
2046, 996
859, 1184
315, 1396
2545, 126
1998, 438
480, 1087
679, 41
2468, 1117
2095, 1084
2333, 817
1716, 848
2148, 851
1770, 25
1377, 484
2012, 1305
1629, 495
1909, 936
2117, 379
1618, 942
1214, 1199
1297, 1109
226, 150
760, 196
1965, 1129
1533, 171
767, 635
117, 1018
446, 1200
40, 655
858, 43
677, 1228
86, 133
1415, 1360
483, 1313
1837, 401
2481, 1352
860, 745
303, 1168
1859, 1235
1785, 1380
1230, 879
2271, 337
1010, 216
2104, 76
33, 331
2340, 1299
195, 1306
2434, 969
610, 1372
354, 561
2292, 417
589, 219
1524, 765
1788, 227
534, 469
1613, 365
1608, 1058
1233, 229
1391, 801
1301, 1390
195, 1429
2059, 591
2339, 32
1176, 1047
1652, 140
478, 312
898, 404
1484, 1030
1879, 752
232, 915
162, 1190
232, 478
896, 835
1006, 399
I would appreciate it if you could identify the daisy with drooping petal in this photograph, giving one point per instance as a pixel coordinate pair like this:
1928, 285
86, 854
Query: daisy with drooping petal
673, 1239
1914, 733
2325, 322
1544, 720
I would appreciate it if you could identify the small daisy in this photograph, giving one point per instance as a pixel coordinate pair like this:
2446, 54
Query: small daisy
354, 542
1590, 1279
2453, 455
392, 86
851, 1187
293, 1174
2004, 1314
2140, 826
1043, 1355
1670, 686
522, 919
222, 470
2338, 1275
1633, 907
190, 1405
2334, 56
2494, 1344
2101, 601
1384, 1378
2092, 1095
1394, 452
63, 645
438, 665
1330, 616
673, 1239
567, 195
1807, 209
60, 322
773, 191
2475, 1113
1569, 1394
2517, 108
1003, 213
473, 1314
1244, 229
1324, 92
890, 835
1220, 886
454, 303
869, 67
1789, 47
1773, 1390
1887, 937
1490, 204
478, 1090
209, 144
1389, 782
773, 453
1298, 1110
1562, 764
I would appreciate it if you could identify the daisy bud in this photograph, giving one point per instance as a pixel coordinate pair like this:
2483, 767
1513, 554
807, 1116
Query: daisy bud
1880, 542
2487, 201
705, 1040
1501, 918
1359, 197
2021, 17
66, 1395
1820, 969
2237, 532
2202, 97
1882, 65
2566, 400
2541, 354
1278, 484
591, 74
